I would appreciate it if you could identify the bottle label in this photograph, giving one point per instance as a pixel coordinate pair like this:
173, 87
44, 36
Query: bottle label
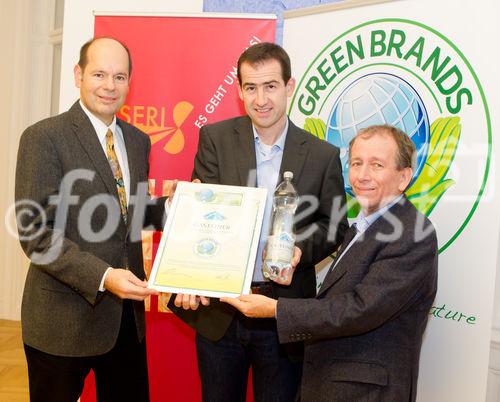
280, 247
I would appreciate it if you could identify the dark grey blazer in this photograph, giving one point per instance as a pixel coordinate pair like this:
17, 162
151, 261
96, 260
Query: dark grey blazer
226, 155
363, 331
63, 313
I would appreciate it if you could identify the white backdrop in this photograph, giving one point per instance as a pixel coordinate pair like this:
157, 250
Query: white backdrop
454, 361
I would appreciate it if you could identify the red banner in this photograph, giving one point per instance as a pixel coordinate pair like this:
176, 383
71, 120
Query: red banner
184, 76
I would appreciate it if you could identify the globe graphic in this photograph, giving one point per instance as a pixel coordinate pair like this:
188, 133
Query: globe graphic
378, 98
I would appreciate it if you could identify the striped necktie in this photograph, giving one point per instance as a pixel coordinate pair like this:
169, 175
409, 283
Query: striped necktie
117, 173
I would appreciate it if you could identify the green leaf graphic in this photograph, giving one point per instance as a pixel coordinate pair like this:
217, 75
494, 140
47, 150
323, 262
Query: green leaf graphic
426, 202
445, 133
353, 206
316, 127
431, 183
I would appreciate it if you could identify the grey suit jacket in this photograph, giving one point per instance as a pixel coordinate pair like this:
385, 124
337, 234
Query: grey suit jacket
363, 332
67, 237
226, 155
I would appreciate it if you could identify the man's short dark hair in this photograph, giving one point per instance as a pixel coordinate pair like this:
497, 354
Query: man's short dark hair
83, 61
406, 147
263, 52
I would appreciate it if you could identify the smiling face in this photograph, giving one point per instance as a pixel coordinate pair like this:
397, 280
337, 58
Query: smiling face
373, 172
265, 94
104, 81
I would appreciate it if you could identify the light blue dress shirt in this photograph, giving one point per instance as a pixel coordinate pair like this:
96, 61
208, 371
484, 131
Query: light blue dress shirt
268, 162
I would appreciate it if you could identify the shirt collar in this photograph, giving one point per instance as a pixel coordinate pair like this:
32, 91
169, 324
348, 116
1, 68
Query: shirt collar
280, 143
363, 222
100, 128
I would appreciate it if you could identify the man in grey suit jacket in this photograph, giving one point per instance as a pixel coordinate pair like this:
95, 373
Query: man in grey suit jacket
83, 303
256, 150
363, 331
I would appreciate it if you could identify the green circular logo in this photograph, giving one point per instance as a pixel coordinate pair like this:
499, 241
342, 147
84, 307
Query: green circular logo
404, 73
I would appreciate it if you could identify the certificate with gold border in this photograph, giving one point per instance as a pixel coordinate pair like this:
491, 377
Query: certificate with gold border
210, 240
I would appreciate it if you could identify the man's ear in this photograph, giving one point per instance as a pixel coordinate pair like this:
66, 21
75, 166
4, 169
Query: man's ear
78, 74
290, 87
405, 178
240, 91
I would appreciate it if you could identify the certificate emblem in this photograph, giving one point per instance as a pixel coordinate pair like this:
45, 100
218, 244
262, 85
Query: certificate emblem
214, 216
206, 247
205, 195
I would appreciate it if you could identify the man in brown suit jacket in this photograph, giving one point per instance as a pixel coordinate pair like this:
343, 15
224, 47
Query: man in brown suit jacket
79, 223
363, 331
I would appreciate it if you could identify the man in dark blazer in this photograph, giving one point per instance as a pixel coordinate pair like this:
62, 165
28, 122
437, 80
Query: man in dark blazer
256, 150
82, 200
363, 331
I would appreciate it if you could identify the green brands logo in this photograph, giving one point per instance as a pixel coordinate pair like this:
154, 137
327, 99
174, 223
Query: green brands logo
404, 73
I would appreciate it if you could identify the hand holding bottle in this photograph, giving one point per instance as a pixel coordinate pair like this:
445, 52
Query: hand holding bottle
286, 275
280, 250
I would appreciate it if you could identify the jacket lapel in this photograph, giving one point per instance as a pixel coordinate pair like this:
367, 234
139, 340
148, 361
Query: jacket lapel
294, 154
369, 240
244, 151
84, 131
340, 269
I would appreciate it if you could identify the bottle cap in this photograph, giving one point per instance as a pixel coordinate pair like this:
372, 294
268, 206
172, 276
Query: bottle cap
288, 175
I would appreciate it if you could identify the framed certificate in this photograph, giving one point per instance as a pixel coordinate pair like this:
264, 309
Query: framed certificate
210, 240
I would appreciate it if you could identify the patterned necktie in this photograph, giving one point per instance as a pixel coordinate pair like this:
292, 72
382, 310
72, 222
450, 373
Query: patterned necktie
117, 173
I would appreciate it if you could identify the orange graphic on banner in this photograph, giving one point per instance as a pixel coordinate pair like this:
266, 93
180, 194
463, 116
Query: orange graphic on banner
151, 120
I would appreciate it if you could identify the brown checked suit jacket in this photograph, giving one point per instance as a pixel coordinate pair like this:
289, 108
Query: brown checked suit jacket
63, 313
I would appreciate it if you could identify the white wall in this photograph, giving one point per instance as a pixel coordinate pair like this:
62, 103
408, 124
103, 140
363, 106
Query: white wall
493, 394
25, 98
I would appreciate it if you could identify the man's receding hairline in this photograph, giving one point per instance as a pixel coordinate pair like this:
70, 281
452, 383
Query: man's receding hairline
368, 134
261, 63
96, 40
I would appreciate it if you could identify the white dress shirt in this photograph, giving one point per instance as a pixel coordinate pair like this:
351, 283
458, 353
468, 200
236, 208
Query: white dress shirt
121, 152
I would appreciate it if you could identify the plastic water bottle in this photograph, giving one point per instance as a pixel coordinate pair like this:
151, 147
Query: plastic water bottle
281, 239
